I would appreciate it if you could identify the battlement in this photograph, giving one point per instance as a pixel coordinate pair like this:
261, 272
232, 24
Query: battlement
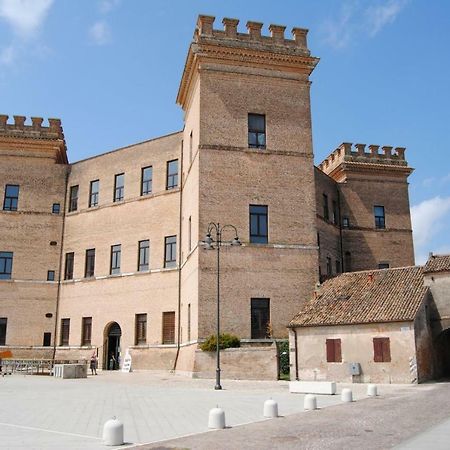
356, 153
34, 130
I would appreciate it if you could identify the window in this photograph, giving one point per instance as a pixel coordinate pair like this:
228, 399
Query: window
47, 341
141, 329
146, 180
346, 222
260, 318
172, 174
73, 200
326, 214
50, 275
257, 131
90, 263
56, 208
379, 217
338, 266
335, 213
383, 265
93, 193
381, 350
11, 197
3, 323
6, 260
119, 182
170, 252
168, 336
65, 331
144, 255
258, 224
329, 268
190, 233
190, 146
68, 270
334, 353
115, 259
348, 262
189, 323
86, 330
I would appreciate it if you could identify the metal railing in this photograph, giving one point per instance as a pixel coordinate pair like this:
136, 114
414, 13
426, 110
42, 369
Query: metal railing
34, 366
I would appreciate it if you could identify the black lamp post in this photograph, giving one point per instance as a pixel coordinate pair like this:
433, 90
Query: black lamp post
211, 244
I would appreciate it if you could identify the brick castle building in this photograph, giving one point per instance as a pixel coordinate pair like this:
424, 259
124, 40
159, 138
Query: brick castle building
105, 253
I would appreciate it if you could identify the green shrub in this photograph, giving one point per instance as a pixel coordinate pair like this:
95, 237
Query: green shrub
226, 340
283, 347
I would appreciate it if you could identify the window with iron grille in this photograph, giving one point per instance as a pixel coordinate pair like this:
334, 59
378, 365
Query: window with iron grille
119, 187
47, 341
380, 221
93, 193
68, 268
86, 330
144, 255
259, 229
50, 275
334, 353
381, 349
168, 335
257, 131
116, 251
170, 251
89, 267
11, 200
65, 332
172, 174
141, 329
146, 180
260, 318
3, 324
326, 214
6, 262
73, 198
56, 208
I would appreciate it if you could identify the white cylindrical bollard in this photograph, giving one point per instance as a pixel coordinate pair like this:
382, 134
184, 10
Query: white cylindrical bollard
113, 432
270, 408
310, 402
347, 395
216, 418
372, 390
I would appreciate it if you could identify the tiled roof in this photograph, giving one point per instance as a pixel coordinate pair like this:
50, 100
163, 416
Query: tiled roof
371, 296
437, 263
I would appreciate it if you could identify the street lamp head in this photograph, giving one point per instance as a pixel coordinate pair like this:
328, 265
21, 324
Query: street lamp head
236, 241
207, 243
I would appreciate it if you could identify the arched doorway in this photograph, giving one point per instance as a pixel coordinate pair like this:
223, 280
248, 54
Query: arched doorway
442, 352
113, 333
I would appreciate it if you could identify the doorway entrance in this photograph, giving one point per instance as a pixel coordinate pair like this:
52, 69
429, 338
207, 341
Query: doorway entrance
113, 333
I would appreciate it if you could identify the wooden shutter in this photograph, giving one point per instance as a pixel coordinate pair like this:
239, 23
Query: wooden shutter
378, 349
330, 350
168, 327
141, 329
337, 350
386, 349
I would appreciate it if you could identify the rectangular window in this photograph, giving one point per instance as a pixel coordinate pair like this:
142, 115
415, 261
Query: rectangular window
334, 353
73, 200
383, 265
326, 214
172, 174
68, 268
116, 251
381, 350
379, 217
259, 224
329, 268
6, 261
189, 323
168, 334
146, 180
47, 341
170, 251
144, 255
338, 266
86, 330
335, 213
65, 332
50, 275
119, 187
260, 318
89, 266
11, 200
56, 208
346, 222
257, 131
3, 323
141, 329
93, 193
348, 262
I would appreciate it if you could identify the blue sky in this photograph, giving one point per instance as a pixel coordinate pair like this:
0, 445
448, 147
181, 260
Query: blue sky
110, 70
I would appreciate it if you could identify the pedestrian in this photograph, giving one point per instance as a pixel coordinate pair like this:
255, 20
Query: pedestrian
94, 364
112, 362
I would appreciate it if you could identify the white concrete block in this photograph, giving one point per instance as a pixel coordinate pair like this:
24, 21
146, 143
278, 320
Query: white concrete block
310, 402
216, 419
312, 387
372, 390
113, 432
270, 408
347, 395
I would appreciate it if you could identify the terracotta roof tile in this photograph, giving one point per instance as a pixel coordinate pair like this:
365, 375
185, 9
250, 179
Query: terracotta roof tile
370, 296
437, 263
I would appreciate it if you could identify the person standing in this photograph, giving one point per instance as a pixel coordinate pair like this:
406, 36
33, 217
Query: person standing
94, 364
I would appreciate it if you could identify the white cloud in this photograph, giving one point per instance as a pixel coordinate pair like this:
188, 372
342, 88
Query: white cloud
100, 33
7, 55
24, 16
383, 14
106, 6
338, 32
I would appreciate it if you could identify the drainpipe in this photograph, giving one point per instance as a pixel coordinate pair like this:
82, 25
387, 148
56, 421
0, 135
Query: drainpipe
296, 353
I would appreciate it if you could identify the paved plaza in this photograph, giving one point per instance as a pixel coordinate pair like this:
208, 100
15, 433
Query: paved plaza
41, 412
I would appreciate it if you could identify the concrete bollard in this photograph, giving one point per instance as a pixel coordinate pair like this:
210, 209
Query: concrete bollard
347, 395
270, 408
310, 402
113, 432
372, 390
216, 418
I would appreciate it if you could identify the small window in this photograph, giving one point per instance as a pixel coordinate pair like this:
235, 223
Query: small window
168, 328
172, 174
93, 193
335, 213
73, 200
47, 341
89, 267
348, 262
119, 187
146, 180
334, 353
68, 268
116, 251
11, 200
170, 253
338, 266
190, 233
257, 131
259, 224
326, 214
50, 275
3, 324
144, 255
329, 268
379, 217
260, 318
190, 146
65, 332
345, 222
86, 330
189, 323
6, 262
56, 208
381, 350
383, 265
141, 329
